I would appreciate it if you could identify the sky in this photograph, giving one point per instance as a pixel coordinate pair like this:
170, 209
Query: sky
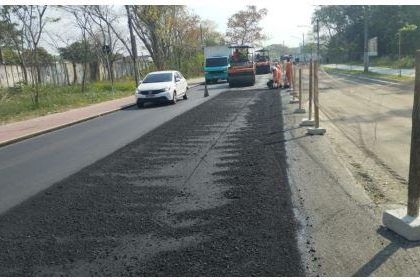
286, 22
279, 25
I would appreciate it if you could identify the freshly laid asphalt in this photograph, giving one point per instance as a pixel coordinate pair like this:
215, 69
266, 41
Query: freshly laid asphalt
204, 194
34, 164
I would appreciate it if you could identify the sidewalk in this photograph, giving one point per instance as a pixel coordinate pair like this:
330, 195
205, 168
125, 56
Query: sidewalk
379, 70
14, 132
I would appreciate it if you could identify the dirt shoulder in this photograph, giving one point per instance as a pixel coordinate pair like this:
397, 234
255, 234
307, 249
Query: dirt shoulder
339, 193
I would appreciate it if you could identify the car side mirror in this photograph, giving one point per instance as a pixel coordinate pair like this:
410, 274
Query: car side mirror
140, 81
177, 80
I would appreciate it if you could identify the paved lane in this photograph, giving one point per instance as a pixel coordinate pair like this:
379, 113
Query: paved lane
35, 164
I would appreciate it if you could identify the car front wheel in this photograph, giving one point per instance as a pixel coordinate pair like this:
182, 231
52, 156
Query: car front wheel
174, 98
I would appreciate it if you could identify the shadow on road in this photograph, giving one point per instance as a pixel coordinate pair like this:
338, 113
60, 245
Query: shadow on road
382, 256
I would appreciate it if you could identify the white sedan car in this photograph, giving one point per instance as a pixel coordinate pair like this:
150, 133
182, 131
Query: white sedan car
161, 86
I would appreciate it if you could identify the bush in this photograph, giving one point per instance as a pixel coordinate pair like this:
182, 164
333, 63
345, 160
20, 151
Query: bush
392, 62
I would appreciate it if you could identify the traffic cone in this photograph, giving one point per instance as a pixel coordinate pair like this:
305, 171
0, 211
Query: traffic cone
206, 91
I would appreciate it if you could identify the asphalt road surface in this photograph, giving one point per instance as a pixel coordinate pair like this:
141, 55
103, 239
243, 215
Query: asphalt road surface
35, 164
204, 194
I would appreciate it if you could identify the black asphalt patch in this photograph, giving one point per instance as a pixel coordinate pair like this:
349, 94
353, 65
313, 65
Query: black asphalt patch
205, 194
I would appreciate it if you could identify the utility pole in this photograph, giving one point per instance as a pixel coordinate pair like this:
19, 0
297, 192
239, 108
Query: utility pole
399, 50
206, 91
303, 46
317, 45
133, 45
366, 54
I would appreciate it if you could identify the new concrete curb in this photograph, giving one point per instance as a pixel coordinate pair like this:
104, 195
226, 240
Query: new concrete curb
30, 135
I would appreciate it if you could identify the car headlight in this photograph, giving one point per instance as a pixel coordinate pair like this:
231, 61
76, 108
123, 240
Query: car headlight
167, 88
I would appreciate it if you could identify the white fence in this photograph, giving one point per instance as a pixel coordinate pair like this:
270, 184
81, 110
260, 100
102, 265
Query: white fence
62, 73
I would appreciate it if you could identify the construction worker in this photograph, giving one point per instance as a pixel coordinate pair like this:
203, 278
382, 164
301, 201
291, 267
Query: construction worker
235, 55
279, 71
274, 70
289, 72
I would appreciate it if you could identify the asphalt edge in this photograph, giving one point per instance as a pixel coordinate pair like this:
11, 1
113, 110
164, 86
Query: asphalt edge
24, 137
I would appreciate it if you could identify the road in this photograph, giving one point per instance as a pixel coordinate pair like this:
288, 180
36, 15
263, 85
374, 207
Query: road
230, 187
35, 164
204, 194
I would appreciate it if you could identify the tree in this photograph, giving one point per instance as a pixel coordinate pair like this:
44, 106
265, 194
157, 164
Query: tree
154, 26
133, 50
32, 19
77, 52
13, 33
85, 55
186, 41
105, 15
211, 37
7, 30
243, 27
342, 26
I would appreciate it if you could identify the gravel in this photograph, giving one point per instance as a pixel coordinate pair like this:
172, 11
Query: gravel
205, 194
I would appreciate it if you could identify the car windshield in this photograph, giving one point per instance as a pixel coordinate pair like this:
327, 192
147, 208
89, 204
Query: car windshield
158, 78
216, 61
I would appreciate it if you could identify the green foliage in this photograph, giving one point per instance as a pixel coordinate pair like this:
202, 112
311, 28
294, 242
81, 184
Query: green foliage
211, 37
408, 28
16, 103
243, 26
369, 74
10, 56
343, 27
277, 50
78, 52
155, 28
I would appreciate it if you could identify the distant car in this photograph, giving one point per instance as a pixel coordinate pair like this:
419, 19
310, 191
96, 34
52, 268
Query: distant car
161, 87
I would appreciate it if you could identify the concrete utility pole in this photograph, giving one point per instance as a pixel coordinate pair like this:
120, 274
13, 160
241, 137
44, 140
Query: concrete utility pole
133, 45
317, 44
399, 50
366, 54
303, 46
311, 90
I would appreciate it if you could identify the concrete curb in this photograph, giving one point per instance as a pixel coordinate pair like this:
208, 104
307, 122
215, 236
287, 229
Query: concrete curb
30, 135
27, 136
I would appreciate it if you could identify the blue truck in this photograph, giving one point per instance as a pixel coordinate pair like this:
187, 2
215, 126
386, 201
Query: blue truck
216, 63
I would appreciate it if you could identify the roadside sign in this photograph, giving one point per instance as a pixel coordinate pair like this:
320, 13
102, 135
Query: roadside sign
373, 46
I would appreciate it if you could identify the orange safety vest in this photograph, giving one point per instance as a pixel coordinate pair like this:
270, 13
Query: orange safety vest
278, 72
275, 74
